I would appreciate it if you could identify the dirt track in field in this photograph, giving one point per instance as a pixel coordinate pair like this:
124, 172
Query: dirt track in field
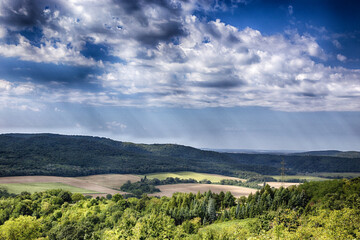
67, 180
168, 190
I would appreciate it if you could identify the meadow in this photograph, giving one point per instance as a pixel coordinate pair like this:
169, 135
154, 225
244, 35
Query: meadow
114, 181
102, 184
25, 182
17, 188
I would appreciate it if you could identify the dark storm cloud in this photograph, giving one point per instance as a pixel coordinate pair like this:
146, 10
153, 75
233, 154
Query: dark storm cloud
154, 29
311, 94
73, 76
139, 6
20, 14
162, 32
227, 83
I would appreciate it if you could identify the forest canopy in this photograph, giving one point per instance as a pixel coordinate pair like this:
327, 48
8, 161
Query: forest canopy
328, 209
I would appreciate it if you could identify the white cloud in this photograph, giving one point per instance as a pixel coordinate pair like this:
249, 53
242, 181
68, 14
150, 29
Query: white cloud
18, 96
114, 125
184, 61
341, 58
255, 70
8, 88
5, 85
47, 52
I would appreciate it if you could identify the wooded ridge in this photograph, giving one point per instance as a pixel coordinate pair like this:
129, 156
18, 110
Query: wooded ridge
63, 155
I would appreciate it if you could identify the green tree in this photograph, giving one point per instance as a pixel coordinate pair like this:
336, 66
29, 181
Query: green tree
21, 228
154, 226
211, 210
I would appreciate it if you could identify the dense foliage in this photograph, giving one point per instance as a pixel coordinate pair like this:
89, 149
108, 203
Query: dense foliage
250, 184
146, 185
315, 210
60, 155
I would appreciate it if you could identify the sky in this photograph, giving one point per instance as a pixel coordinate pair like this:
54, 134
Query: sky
239, 74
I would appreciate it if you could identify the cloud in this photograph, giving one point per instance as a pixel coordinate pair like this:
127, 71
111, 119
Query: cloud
18, 96
2, 32
8, 88
290, 10
22, 13
114, 125
46, 53
341, 58
337, 44
158, 53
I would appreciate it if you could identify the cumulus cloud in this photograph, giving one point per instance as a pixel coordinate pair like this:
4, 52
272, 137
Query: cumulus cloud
341, 58
18, 96
46, 53
8, 88
166, 56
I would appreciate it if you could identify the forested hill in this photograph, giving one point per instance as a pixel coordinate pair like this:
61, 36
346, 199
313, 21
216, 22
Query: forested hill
62, 155
331, 153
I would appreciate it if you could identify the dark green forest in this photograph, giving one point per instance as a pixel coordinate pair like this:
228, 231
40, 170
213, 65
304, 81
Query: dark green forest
313, 210
61, 155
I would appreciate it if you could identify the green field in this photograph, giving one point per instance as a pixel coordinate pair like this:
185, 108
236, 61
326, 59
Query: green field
301, 177
337, 174
38, 187
214, 178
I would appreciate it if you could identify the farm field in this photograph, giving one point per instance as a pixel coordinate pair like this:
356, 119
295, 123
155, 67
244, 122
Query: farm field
114, 181
214, 178
280, 184
88, 187
301, 177
17, 188
100, 185
168, 190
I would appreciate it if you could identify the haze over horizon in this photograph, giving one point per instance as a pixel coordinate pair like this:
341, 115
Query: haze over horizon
240, 74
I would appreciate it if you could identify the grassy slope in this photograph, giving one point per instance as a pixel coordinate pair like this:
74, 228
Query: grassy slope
38, 187
186, 175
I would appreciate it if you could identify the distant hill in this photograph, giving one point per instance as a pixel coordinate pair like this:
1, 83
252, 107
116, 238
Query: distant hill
330, 153
63, 155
